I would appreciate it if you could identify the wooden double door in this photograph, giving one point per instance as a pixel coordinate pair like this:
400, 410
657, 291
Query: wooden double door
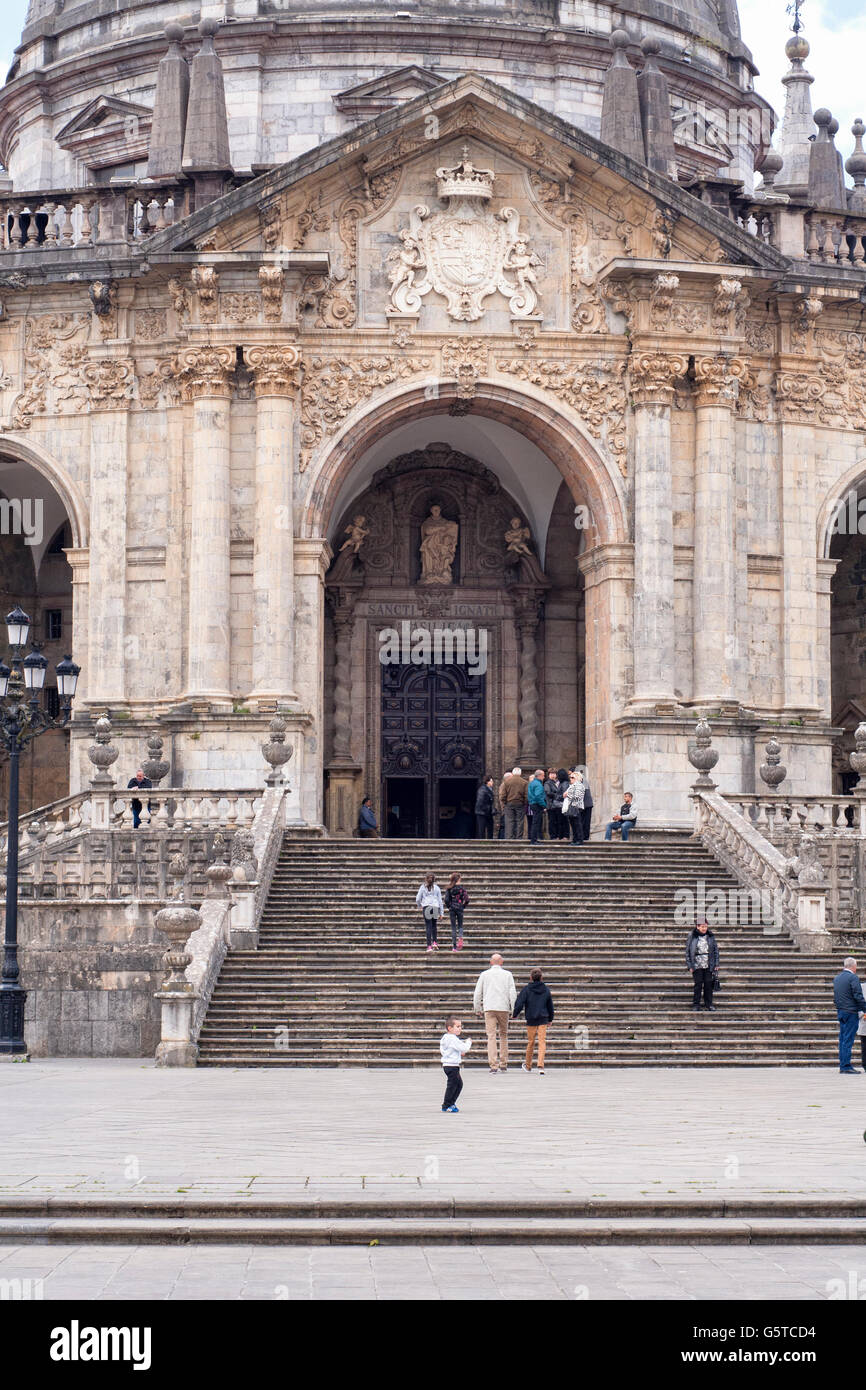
432, 741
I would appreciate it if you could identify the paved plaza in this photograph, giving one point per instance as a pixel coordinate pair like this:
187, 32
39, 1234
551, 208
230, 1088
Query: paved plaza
496, 1272
122, 1126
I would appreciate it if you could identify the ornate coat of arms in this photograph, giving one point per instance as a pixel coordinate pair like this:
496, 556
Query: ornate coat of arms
465, 253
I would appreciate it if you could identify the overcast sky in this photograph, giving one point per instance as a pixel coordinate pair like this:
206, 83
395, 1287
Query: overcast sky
836, 29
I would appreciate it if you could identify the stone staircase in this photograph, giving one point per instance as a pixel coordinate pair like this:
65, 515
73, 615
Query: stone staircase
341, 976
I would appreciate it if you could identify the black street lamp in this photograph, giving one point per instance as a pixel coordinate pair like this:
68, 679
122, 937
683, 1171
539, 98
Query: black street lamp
21, 720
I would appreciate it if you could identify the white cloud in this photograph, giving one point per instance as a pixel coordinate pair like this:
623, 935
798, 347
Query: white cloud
837, 35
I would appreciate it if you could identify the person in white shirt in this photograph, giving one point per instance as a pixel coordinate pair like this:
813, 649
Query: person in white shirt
495, 996
452, 1048
429, 899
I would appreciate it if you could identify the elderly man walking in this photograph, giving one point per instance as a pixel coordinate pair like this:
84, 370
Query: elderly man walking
495, 997
512, 799
850, 1003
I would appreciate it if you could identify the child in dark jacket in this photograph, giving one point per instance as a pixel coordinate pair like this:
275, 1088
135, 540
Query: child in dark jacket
537, 1000
456, 901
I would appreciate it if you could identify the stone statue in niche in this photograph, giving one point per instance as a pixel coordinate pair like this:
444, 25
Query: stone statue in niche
356, 533
516, 538
438, 547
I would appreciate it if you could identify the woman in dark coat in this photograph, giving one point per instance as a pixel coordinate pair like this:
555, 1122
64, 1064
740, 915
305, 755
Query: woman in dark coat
537, 1000
702, 958
484, 810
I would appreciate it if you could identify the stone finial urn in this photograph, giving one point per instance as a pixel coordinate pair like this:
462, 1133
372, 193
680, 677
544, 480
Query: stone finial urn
858, 757
276, 752
102, 753
703, 756
178, 920
218, 871
154, 766
773, 771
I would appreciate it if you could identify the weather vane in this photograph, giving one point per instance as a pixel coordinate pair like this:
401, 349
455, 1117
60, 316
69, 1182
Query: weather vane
795, 9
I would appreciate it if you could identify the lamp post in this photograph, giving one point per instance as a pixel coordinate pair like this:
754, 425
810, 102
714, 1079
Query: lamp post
21, 720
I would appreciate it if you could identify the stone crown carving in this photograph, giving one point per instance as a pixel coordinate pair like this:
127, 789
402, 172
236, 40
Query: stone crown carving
465, 253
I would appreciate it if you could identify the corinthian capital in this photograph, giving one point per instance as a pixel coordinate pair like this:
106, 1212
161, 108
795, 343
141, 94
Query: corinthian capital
109, 383
276, 370
653, 375
206, 371
718, 379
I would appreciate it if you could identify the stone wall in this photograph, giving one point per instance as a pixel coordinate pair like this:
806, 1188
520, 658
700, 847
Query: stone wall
90, 971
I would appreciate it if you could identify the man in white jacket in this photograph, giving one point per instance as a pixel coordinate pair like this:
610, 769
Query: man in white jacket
495, 996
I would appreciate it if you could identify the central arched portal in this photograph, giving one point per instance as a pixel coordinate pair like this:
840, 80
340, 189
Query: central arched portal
455, 628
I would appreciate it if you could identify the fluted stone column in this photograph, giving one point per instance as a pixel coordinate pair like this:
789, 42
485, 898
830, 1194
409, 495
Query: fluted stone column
799, 546
652, 382
110, 386
714, 588
275, 372
207, 382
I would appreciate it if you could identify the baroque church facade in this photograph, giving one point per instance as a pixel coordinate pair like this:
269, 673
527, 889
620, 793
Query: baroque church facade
471, 323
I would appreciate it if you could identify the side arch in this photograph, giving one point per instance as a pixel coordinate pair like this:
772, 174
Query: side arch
69, 493
849, 482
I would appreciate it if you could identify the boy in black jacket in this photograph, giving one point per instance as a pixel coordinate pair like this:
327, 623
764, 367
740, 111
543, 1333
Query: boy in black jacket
537, 1000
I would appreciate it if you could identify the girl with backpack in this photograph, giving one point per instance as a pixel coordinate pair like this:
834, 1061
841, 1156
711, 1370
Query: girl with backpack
456, 901
429, 899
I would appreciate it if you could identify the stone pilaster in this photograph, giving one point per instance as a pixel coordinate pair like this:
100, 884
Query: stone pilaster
312, 557
206, 374
714, 588
275, 372
652, 384
795, 400
109, 383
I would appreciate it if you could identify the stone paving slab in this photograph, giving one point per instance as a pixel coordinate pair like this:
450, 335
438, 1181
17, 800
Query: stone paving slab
491, 1273
122, 1127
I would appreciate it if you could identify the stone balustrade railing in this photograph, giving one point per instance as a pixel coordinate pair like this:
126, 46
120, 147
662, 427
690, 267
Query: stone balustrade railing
49, 824
85, 846
175, 808
125, 213
797, 893
779, 813
828, 238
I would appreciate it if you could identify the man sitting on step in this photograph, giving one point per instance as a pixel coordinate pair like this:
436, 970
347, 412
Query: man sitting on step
625, 820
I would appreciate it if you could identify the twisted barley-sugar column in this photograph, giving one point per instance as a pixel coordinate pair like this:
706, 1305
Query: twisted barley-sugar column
344, 627
714, 587
652, 386
206, 374
276, 373
527, 630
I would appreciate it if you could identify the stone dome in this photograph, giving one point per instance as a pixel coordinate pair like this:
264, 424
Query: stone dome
300, 72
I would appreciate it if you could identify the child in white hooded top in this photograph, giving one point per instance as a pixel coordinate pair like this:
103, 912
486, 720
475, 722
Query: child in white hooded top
452, 1048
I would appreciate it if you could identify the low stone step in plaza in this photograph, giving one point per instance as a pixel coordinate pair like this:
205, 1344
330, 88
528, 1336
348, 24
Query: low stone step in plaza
341, 975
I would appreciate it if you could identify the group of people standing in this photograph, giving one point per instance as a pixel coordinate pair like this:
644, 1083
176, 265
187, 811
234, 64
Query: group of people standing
557, 800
